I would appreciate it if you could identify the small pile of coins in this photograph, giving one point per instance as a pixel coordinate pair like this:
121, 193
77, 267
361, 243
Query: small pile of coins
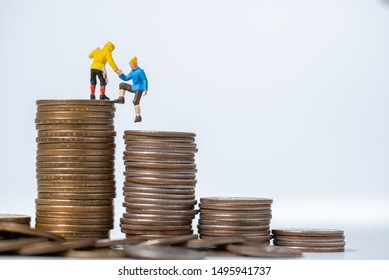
247, 217
75, 167
160, 181
310, 240
20, 239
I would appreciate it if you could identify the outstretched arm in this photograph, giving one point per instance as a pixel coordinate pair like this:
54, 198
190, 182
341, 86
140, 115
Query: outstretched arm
112, 62
126, 78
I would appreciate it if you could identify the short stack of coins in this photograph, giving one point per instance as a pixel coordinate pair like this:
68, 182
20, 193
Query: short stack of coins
310, 240
75, 167
247, 217
160, 181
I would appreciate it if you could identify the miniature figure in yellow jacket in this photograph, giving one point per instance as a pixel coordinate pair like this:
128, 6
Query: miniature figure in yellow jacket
100, 58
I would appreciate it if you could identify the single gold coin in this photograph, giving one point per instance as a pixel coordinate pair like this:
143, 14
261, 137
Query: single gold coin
75, 221
15, 218
76, 102
74, 202
25, 230
66, 208
75, 108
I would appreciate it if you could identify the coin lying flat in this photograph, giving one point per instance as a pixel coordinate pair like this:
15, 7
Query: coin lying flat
316, 239
163, 253
160, 233
74, 202
82, 192
169, 240
16, 244
153, 227
76, 133
152, 218
264, 251
160, 196
210, 243
166, 134
54, 247
74, 215
89, 121
309, 244
158, 191
75, 228
75, 108
237, 200
77, 183
96, 254
76, 102
65, 177
246, 222
308, 232
82, 146
15, 218
75, 221
317, 249
76, 196
145, 222
66, 208
27, 231
80, 164
77, 126
73, 171
107, 243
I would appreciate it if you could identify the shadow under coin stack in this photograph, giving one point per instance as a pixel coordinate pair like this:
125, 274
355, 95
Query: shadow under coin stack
310, 240
75, 167
246, 217
160, 181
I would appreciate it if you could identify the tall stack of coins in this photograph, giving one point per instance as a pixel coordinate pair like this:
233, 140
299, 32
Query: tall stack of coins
160, 181
310, 240
75, 167
247, 217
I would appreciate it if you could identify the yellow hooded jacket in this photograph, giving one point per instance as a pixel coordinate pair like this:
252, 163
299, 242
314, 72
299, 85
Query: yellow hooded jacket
101, 56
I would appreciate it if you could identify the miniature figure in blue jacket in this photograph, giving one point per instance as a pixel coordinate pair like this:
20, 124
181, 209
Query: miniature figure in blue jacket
139, 86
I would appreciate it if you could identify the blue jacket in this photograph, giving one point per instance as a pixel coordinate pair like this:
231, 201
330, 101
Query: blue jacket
138, 78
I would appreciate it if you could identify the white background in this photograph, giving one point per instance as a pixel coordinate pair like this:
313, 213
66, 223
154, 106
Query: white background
289, 99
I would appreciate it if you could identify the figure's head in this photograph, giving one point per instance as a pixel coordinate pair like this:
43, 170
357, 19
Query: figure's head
134, 63
109, 46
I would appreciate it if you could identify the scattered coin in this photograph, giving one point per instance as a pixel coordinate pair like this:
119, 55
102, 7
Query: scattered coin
169, 240
11, 245
15, 218
264, 251
107, 243
163, 253
25, 230
209, 243
96, 254
54, 247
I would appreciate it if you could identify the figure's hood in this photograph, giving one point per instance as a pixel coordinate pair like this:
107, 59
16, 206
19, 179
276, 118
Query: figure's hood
109, 46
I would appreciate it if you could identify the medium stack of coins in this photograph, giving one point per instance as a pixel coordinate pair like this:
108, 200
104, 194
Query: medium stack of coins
310, 240
160, 181
236, 217
75, 167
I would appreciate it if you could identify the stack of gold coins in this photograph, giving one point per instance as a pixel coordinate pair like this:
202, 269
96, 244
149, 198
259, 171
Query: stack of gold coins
247, 217
75, 167
310, 240
159, 187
